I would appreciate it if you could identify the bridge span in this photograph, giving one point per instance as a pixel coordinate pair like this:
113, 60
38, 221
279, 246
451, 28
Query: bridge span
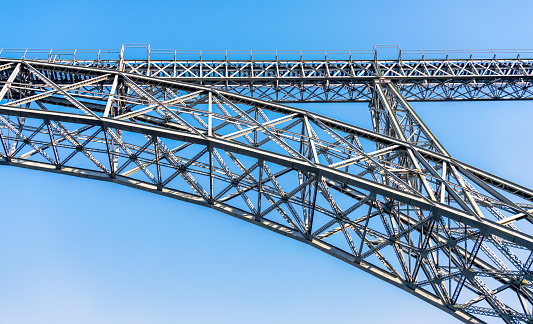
390, 201
320, 76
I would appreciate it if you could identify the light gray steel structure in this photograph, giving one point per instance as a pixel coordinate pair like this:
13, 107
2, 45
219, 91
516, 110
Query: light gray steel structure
390, 201
329, 76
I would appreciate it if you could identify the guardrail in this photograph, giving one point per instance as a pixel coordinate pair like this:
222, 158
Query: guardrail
144, 52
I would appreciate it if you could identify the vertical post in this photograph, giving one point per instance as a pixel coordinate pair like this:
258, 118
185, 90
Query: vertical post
312, 210
121, 58
211, 200
210, 116
174, 63
157, 162
108, 142
259, 189
148, 65
257, 120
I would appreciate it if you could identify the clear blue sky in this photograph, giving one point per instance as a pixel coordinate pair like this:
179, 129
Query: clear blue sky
81, 251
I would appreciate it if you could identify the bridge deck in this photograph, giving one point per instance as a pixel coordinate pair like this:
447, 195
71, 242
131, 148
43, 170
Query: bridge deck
322, 76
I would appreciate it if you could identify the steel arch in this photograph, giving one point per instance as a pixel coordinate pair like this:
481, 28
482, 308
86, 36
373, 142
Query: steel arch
380, 202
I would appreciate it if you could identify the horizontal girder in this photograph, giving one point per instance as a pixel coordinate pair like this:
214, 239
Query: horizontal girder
333, 79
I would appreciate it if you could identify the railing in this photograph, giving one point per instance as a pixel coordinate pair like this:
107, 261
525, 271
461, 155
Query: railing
144, 52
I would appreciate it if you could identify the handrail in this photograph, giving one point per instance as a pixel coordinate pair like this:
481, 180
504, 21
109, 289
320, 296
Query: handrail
143, 51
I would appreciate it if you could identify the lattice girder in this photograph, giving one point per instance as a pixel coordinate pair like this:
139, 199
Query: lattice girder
326, 79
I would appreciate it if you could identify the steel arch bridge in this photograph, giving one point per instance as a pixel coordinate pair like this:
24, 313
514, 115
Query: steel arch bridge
390, 201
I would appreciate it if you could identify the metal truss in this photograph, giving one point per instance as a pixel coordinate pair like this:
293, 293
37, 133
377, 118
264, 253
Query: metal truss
329, 77
390, 201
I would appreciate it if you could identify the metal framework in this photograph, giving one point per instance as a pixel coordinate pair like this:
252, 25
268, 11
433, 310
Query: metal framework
334, 76
390, 201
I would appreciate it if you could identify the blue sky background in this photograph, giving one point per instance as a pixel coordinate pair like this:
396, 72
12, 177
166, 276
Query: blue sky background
81, 251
